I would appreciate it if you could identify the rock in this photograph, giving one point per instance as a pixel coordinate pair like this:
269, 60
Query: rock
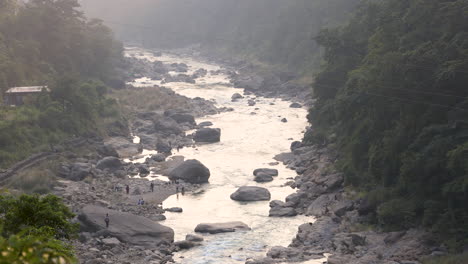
214, 228
209, 135
174, 210
251, 102
112, 241
143, 169
123, 146
158, 157
167, 126
295, 145
194, 238
79, 171
128, 228
282, 211
158, 217
183, 118
295, 105
191, 171
236, 96
205, 124
184, 244
320, 205
163, 147
295, 198
107, 151
263, 177
284, 120
340, 208
109, 163
279, 252
251, 193
266, 171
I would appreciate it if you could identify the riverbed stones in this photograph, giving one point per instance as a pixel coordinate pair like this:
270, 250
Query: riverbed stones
215, 228
251, 193
109, 163
191, 171
266, 171
207, 135
126, 227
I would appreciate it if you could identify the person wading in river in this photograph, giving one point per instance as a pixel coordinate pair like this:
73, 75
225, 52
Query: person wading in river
107, 220
152, 187
127, 188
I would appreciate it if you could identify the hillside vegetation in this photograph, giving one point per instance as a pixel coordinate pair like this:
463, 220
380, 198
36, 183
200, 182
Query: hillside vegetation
392, 96
51, 42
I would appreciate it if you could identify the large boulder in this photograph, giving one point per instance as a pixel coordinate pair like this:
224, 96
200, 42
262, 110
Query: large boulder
281, 209
295, 105
79, 171
251, 193
167, 126
123, 146
128, 228
209, 135
266, 171
214, 228
109, 163
191, 171
236, 96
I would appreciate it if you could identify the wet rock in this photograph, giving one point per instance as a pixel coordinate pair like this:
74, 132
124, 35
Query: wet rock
236, 96
109, 163
128, 228
284, 120
205, 124
295, 145
266, 171
251, 193
214, 228
191, 171
295, 105
208, 135
194, 238
184, 244
263, 177
174, 210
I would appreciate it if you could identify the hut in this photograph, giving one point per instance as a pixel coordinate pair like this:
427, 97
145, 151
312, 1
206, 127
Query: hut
15, 95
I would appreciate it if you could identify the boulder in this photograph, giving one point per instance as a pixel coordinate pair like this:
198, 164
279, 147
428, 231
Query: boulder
295, 105
183, 118
281, 209
191, 171
109, 163
284, 120
123, 146
295, 145
266, 171
194, 238
205, 124
174, 210
251, 102
209, 135
126, 227
79, 171
214, 228
251, 193
107, 151
112, 241
263, 177
167, 126
236, 96
158, 157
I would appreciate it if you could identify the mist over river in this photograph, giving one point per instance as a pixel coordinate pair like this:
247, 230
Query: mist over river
250, 137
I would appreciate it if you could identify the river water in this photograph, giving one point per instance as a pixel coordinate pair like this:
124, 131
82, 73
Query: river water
250, 137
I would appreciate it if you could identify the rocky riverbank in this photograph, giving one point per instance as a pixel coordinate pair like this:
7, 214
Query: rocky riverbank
341, 228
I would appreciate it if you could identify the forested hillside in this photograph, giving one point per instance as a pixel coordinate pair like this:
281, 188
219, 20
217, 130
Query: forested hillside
393, 97
51, 43
276, 32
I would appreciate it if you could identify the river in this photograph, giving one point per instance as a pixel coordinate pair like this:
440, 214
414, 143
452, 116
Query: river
250, 137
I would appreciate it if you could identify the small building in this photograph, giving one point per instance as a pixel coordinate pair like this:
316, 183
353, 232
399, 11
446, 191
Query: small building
15, 96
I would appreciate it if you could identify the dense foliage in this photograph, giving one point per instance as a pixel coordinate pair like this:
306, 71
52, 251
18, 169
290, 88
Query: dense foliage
276, 32
35, 230
45, 42
393, 97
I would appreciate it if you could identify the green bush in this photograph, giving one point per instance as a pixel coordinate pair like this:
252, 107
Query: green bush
396, 214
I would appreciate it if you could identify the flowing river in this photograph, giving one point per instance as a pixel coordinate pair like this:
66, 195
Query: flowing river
250, 137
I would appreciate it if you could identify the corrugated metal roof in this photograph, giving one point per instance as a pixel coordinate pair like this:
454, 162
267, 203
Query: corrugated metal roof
27, 89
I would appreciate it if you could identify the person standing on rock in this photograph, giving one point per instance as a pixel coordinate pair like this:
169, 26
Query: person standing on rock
152, 187
127, 188
107, 220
